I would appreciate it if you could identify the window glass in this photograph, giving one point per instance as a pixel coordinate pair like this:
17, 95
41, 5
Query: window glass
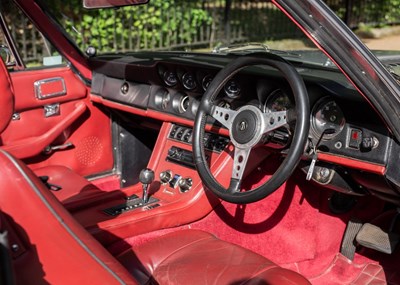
160, 25
33, 48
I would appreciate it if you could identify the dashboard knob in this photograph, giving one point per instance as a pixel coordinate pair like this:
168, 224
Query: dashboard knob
173, 152
165, 176
185, 184
369, 143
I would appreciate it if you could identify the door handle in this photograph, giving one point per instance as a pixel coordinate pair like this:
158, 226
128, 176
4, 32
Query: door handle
52, 148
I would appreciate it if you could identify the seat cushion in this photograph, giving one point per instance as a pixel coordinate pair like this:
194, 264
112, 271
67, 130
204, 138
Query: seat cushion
76, 191
196, 257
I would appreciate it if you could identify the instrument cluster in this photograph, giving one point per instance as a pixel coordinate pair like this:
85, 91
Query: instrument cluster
327, 118
183, 88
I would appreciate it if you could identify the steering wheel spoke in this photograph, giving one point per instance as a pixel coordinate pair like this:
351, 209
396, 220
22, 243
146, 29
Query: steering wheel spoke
274, 120
223, 115
239, 163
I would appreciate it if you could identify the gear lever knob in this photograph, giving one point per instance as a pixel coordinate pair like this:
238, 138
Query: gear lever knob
146, 176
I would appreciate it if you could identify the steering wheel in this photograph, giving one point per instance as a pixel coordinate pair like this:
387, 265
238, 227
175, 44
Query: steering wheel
248, 127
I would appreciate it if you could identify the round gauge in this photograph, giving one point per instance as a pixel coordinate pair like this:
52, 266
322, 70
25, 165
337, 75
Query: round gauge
162, 98
189, 81
278, 101
170, 78
206, 81
326, 115
184, 104
166, 98
232, 89
180, 102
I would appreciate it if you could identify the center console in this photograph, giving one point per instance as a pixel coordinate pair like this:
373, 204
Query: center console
176, 196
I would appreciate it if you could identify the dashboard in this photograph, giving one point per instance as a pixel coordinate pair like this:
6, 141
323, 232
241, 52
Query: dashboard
344, 129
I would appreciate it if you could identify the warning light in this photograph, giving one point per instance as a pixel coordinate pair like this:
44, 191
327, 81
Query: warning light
355, 138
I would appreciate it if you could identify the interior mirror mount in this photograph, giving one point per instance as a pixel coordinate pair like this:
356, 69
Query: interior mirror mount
96, 4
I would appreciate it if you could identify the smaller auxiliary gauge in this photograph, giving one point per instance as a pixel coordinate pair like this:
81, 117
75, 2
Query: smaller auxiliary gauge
170, 78
327, 114
232, 89
206, 81
189, 81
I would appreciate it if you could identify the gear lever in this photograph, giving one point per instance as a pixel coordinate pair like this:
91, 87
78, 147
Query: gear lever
146, 177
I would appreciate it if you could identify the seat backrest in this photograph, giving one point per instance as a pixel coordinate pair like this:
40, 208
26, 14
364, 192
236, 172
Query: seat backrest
48, 245
6, 97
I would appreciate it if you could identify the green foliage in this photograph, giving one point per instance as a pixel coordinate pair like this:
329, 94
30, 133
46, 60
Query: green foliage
373, 13
183, 24
154, 25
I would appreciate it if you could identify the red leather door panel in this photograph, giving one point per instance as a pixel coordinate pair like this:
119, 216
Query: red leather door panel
78, 122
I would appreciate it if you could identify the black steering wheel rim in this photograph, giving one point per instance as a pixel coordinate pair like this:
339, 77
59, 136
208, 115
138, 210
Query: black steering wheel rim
297, 146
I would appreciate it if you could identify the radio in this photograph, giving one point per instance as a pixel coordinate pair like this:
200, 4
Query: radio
212, 142
181, 156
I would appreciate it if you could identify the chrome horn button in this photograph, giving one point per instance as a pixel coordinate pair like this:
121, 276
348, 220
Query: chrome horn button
244, 126
247, 127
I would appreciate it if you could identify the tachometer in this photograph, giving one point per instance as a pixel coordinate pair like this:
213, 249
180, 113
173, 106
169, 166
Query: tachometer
327, 114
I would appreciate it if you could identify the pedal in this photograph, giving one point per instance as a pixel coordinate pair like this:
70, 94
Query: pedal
374, 237
348, 246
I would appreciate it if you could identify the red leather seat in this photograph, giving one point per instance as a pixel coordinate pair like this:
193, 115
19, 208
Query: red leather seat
76, 191
197, 257
50, 247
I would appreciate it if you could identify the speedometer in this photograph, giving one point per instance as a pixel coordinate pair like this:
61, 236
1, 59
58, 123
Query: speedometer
278, 101
327, 114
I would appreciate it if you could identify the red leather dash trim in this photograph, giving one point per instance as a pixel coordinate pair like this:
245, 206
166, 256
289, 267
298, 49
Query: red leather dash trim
169, 118
353, 163
155, 114
118, 106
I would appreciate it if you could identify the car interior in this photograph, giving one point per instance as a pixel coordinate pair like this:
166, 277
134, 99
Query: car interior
177, 168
